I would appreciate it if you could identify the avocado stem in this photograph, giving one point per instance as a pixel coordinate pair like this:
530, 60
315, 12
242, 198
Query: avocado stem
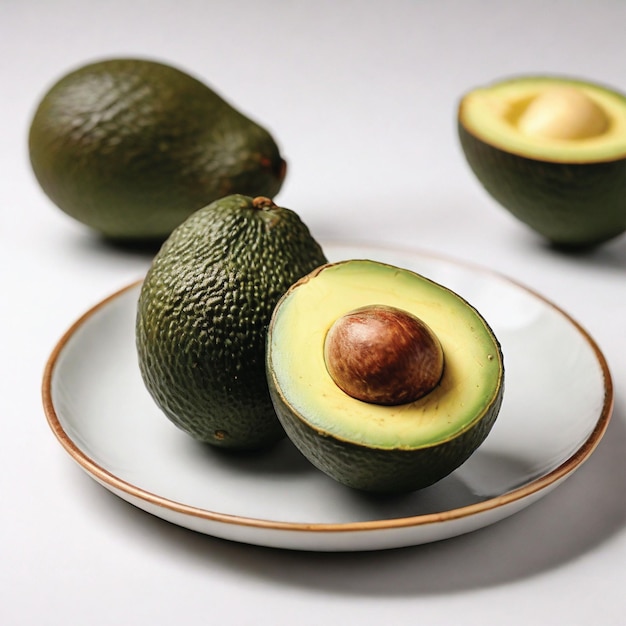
261, 202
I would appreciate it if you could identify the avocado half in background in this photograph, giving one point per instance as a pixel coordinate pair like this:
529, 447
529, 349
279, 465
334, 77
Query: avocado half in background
552, 151
382, 446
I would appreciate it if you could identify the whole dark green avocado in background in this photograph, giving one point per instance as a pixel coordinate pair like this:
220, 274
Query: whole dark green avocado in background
131, 147
203, 314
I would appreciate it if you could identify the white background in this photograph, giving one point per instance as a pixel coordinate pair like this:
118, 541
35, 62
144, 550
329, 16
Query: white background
362, 98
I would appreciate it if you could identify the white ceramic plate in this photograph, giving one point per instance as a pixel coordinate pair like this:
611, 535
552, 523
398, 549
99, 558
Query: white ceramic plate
557, 404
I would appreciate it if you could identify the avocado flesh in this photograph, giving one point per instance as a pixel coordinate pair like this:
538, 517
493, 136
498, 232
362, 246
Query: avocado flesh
131, 147
370, 446
572, 191
492, 114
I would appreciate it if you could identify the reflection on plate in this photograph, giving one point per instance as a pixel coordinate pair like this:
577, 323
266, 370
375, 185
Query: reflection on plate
557, 404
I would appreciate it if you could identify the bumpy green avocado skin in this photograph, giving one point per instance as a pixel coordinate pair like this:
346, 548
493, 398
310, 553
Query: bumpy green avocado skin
132, 147
203, 313
382, 470
573, 205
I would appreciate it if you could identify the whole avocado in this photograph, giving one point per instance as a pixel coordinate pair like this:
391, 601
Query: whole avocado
131, 147
203, 314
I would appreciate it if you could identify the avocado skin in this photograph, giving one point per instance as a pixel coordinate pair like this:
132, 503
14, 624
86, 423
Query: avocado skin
379, 470
203, 313
131, 147
573, 205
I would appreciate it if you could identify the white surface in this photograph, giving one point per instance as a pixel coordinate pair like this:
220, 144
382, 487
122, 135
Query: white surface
361, 96
557, 404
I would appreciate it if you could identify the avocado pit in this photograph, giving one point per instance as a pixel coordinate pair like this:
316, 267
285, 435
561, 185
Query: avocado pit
383, 355
563, 113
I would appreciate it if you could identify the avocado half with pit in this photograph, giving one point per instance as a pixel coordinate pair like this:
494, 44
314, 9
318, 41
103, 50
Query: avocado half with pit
383, 379
552, 151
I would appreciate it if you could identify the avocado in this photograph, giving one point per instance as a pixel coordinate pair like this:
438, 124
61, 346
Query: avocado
375, 438
203, 312
131, 147
551, 150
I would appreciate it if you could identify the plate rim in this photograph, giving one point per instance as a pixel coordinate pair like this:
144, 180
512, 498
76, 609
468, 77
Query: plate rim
518, 494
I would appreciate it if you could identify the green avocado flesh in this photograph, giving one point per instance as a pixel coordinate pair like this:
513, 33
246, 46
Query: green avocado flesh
552, 151
131, 147
370, 446
494, 114
203, 313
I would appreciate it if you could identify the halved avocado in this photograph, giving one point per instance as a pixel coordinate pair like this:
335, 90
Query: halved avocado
551, 150
368, 445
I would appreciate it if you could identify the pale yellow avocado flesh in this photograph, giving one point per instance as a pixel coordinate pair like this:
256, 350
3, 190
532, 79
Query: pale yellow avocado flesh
473, 367
548, 118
